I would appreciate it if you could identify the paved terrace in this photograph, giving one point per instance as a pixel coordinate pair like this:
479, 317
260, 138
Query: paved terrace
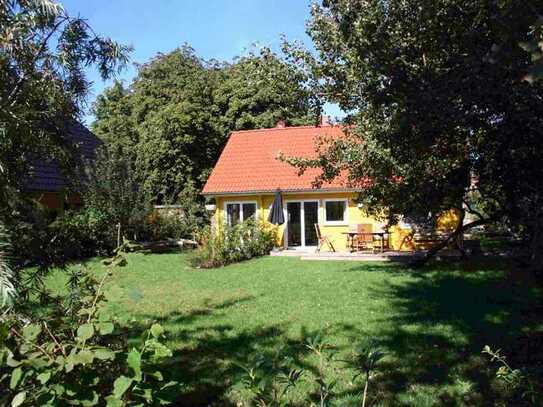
396, 256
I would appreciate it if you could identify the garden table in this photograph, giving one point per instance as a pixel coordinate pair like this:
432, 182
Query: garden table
351, 235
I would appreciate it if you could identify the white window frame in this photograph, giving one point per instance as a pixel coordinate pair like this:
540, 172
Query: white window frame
345, 220
240, 203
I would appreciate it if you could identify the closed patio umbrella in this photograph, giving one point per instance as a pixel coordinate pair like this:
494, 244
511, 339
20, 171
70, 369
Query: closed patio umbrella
276, 213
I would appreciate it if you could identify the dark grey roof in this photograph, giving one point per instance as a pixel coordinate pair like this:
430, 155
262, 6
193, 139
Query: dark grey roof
45, 174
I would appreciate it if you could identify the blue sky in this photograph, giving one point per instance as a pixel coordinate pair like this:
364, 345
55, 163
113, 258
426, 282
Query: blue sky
220, 29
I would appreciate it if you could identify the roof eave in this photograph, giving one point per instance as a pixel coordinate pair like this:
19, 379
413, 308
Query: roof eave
285, 191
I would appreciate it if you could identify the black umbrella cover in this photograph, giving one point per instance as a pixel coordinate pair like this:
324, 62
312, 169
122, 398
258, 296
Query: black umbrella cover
276, 213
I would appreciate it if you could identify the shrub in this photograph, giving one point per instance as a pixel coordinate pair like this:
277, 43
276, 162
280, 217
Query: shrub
84, 233
518, 386
233, 244
47, 239
71, 352
114, 188
161, 226
268, 378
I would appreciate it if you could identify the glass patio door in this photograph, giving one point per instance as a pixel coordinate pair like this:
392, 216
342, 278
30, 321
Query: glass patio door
294, 224
311, 216
301, 219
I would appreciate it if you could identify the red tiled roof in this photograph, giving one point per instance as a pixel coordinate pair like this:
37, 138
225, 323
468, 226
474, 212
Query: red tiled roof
249, 161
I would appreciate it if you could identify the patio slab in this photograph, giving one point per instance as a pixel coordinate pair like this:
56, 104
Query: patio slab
394, 256
348, 256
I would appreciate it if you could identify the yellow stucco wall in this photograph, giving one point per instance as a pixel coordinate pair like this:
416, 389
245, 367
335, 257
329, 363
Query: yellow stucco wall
355, 215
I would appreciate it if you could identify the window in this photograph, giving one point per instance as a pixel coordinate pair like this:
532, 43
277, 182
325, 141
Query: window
237, 212
335, 212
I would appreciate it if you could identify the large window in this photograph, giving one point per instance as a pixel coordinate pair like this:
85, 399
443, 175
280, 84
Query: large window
237, 212
335, 211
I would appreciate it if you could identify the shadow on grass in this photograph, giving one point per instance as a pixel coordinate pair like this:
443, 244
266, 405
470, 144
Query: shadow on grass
209, 368
439, 323
442, 323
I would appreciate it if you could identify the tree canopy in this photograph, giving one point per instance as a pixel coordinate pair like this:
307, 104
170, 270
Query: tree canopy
43, 56
441, 111
175, 116
258, 90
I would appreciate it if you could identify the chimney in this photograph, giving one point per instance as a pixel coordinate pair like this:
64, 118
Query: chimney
281, 124
325, 121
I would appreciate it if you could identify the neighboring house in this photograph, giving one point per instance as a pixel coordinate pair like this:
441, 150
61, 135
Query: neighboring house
248, 173
47, 184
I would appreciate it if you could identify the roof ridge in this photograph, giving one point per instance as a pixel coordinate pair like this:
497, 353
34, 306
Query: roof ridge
284, 128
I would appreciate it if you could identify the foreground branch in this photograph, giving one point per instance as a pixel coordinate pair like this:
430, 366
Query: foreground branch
454, 236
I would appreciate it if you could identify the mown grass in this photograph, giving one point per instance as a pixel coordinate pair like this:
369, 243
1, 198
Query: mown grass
431, 324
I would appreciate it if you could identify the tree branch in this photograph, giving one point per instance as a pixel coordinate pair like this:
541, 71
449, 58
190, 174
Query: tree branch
12, 98
454, 235
471, 210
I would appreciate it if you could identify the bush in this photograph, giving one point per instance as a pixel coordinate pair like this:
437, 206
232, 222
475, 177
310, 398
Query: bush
161, 226
47, 239
69, 351
233, 244
114, 188
84, 233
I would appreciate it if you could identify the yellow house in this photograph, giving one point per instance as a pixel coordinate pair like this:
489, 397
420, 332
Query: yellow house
248, 174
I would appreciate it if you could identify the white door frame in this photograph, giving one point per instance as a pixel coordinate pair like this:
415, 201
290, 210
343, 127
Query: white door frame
302, 219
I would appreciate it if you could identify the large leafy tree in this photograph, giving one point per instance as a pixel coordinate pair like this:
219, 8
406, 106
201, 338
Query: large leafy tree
43, 56
177, 121
114, 121
260, 89
175, 117
443, 118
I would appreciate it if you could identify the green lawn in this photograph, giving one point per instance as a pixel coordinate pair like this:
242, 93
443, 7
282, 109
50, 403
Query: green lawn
431, 324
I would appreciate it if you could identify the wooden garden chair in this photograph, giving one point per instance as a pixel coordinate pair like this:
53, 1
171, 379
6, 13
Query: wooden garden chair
364, 240
323, 239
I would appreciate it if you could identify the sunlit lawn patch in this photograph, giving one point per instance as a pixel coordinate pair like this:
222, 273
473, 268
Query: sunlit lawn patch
432, 324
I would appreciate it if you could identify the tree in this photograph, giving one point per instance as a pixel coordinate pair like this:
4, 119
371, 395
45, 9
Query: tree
114, 121
177, 113
260, 89
534, 45
177, 122
43, 56
7, 290
439, 107
114, 190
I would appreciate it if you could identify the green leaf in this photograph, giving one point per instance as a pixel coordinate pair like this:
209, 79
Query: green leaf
59, 389
159, 350
84, 357
85, 332
104, 316
11, 362
104, 354
113, 402
44, 377
31, 332
157, 330
120, 386
15, 378
134, 362
105, 328
18, 399
169, 384
157, 375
